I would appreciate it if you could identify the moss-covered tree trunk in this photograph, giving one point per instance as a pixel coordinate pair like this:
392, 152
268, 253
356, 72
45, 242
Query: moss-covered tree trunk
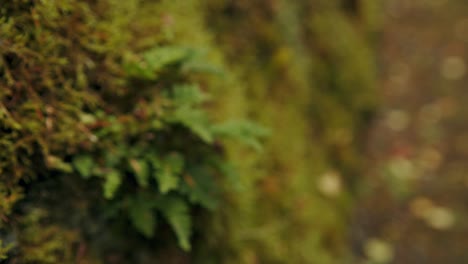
181, 131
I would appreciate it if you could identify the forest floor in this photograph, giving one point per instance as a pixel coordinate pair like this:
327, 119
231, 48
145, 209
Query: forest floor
415, 208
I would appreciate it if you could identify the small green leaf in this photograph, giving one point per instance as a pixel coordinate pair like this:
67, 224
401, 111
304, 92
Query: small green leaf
246, 132
160, 57
152, 61
84, 165
111, 184
200, 187
141, 170
199, 63
188, 95
185, 101
177, 214
142, 216
168, 171
194, 119
176, 162
167, 180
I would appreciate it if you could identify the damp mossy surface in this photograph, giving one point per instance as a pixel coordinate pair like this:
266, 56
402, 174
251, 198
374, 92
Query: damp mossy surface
182, 131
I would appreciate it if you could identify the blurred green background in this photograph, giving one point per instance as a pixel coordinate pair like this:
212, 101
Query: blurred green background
218, 131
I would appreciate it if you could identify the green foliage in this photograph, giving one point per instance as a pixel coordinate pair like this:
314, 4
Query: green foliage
177, 213
141, 170
183, 174
84, 165
168, 172
111, 184
152, 62
183, 110
142, 215
87, 95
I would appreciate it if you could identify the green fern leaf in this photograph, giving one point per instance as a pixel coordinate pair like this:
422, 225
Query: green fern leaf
141, 170
185, 100
153, 61
168, 171
244, 131
142, 216
176, 212
200, 187
84, 165
111, 184
188, 95
160, 57
195, 120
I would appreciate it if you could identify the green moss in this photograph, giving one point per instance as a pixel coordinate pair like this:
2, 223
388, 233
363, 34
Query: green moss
118, 114
307, 72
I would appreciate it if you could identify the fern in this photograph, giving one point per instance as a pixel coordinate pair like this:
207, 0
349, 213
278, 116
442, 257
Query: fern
186, 100
141, 215
148, 65
168, 171
177, 213
170, 176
